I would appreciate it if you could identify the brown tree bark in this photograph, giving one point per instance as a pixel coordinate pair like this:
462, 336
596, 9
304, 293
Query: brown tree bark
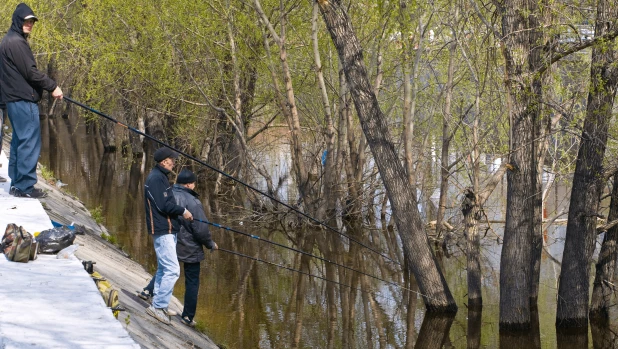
602, 288
432, 284
573, 290
522, 48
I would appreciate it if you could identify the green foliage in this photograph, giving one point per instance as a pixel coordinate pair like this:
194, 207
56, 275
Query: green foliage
97, 214
112, 239
47, 174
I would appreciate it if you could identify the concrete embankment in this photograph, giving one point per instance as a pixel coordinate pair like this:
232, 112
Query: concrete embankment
63, 309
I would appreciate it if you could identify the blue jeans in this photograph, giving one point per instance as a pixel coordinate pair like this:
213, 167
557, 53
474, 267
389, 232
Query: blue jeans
2, 118
25, 145
168, 270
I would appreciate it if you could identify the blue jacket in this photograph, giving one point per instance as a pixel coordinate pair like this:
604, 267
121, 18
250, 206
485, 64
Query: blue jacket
192, 234
19, 77
161, 209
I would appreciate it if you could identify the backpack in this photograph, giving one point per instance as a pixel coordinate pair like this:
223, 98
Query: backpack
18, 245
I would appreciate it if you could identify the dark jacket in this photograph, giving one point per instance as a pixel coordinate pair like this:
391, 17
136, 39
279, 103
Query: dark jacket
19, 77
161, 209
192, 234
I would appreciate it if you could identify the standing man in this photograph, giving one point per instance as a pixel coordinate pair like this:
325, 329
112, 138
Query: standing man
162, 222
192, 235
21, 87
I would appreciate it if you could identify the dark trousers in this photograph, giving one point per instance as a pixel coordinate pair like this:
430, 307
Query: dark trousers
192, 286
25, 144
150, 287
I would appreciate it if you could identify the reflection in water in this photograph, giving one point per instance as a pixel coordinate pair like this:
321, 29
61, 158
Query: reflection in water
572, 338
474, 327
248, 304
434, 331
603, 336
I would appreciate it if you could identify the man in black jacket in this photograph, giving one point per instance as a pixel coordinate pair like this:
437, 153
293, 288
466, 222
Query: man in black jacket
162, 222
21, 87
192, 236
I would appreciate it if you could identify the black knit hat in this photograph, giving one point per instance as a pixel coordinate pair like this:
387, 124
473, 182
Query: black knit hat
186, 176
164, 153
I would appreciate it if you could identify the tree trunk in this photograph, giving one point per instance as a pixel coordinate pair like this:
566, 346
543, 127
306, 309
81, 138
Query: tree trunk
573, 290
522, 53
432, 284
446, 141
603, 289
471, 212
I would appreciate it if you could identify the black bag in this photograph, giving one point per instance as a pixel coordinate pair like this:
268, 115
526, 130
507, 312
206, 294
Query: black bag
54, 240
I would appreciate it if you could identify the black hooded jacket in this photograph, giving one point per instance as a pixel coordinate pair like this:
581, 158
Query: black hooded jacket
19, 77
193, 234
161, 209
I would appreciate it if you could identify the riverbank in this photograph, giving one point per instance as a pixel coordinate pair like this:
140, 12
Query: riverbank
126, 275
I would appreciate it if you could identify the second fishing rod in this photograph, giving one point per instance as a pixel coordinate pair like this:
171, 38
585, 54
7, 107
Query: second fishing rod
256, 237
132, 129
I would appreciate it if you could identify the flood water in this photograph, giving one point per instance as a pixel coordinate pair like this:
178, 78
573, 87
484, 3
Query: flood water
246, 303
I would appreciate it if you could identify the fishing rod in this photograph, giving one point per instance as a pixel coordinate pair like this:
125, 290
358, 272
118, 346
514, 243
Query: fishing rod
315, 276
228, 176
302, 252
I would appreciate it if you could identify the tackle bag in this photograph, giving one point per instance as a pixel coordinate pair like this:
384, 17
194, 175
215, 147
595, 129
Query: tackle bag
17, 244
109, 294
54, 240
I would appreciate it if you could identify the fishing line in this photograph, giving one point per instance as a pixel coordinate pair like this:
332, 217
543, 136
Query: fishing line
317, 276
230, 177
256, 237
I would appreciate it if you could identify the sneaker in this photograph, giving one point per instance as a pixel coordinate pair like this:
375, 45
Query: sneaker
169, 312
36, 193
145, 295
12, 190
158, 314
185, 320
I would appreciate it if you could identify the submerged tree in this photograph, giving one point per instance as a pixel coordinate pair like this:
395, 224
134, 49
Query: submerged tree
431, 282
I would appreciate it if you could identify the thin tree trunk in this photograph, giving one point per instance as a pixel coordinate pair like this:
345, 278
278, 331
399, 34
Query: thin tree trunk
573, 290
446, 140
432, 284
289, 108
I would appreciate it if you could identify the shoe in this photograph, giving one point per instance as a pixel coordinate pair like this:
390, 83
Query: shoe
145, 295
2, 179
169, 312
185, 320
158, 314
36, 193
12, 190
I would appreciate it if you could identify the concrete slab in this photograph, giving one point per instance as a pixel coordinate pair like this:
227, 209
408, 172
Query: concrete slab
49, 302
53, 303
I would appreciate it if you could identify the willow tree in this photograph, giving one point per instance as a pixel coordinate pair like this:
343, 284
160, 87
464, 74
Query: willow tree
431, 282
588, 179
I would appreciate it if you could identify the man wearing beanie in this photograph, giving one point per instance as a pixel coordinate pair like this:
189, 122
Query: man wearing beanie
192, 236
163, 224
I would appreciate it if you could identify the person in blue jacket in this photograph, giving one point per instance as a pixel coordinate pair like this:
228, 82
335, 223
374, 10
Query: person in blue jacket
21, 87
162, 222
